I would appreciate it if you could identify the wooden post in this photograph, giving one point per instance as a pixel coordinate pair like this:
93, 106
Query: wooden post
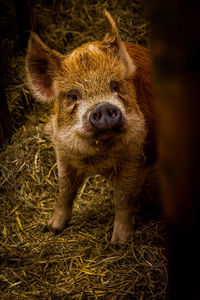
6, 129
26, 19
176, 43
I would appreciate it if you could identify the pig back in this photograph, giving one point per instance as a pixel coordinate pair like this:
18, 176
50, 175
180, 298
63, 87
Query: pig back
142, 82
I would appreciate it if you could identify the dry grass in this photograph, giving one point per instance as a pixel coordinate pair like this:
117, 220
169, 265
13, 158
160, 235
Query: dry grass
80, 263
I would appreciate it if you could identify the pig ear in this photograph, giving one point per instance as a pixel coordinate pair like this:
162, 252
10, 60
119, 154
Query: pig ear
112, 42
42, 65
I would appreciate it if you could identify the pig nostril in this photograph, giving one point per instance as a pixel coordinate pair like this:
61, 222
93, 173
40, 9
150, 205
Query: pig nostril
98, 116
112, 113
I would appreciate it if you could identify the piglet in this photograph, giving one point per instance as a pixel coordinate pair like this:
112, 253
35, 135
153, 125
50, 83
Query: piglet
102, 120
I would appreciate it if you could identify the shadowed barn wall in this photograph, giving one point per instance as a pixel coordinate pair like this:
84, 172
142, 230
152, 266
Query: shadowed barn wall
176, 44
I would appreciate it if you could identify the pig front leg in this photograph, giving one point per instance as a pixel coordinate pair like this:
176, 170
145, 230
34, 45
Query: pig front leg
126, 191
69, 183
124, 220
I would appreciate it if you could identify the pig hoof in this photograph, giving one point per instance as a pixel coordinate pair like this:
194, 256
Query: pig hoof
58, 221
121, 232
52, 230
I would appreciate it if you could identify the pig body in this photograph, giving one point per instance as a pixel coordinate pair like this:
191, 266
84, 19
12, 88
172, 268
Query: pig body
102, 120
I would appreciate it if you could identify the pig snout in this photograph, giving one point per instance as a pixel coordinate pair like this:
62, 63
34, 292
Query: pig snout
105, 116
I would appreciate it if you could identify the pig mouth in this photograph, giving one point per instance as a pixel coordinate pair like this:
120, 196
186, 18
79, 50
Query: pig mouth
102, 137
105, 135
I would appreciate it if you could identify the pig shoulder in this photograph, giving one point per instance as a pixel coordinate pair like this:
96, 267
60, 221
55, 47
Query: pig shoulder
142, 82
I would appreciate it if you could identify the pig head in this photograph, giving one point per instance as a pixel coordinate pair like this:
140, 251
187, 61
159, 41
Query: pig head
102, 120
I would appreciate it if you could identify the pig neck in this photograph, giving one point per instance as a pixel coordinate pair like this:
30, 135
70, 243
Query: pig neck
107, 164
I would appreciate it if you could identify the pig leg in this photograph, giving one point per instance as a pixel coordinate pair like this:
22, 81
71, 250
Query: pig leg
68, 185
125, 196
124, 221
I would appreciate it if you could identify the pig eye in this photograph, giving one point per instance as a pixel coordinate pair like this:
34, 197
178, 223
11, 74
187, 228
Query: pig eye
74, 95
114, 85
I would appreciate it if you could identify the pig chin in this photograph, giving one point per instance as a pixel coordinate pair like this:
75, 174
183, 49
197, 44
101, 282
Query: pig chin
103, 138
